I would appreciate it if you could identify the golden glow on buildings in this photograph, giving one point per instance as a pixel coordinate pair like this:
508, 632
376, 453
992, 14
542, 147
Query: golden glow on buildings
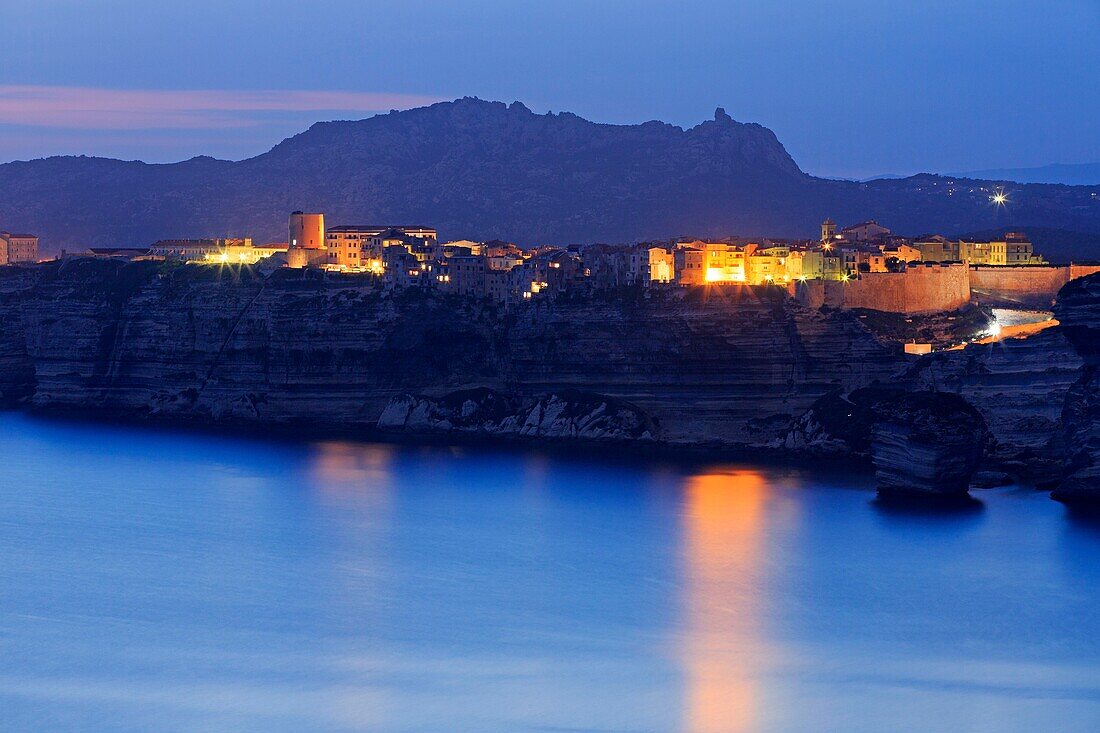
238, 255
723, 528
725, 275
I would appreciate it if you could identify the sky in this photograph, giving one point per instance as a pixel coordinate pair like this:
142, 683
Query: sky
853, 88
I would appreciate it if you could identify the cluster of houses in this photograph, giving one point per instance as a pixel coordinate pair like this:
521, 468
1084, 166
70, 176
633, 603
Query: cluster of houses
406, 256
413, 256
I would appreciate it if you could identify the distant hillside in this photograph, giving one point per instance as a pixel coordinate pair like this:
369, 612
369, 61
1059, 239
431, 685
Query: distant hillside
1071, 174
485, 170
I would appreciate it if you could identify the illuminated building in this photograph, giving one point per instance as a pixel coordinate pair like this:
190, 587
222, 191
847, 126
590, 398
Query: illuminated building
662, 265
937, 248
466, 275
306, 243
805, 264
700, 262
863, 260
16, 248
767, 265
902, 252
202, 250
867, 231
1014, 249
351, 247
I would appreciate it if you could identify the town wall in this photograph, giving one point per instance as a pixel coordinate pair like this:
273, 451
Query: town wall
1031, 283
1076, 271
919, 289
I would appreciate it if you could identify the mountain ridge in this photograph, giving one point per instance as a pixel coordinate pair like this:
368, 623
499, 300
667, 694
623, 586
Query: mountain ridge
483, 170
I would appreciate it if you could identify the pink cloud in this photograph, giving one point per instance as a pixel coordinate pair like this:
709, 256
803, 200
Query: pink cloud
142, 109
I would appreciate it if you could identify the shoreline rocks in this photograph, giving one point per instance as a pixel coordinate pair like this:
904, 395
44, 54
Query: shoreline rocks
571, 414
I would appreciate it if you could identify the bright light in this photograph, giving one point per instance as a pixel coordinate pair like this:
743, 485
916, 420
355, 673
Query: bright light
826, 246
994, 329
845, 278
724, 275
224, 257
1000, 198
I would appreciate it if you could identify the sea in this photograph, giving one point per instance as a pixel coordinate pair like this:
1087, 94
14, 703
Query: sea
156, 579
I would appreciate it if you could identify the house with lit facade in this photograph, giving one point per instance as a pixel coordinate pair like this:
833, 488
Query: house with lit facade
18, 248
359, 247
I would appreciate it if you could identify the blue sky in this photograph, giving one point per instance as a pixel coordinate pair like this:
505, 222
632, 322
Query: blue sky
851, 87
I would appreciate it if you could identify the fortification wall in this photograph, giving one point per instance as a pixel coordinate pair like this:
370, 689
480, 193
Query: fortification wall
1033, 283
919, 289
934, 287
1076, 271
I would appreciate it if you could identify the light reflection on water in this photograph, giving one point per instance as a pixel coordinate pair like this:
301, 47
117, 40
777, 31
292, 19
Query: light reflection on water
158, 580
722, 542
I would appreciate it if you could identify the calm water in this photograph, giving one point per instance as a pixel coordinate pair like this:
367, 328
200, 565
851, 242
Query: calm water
176, 582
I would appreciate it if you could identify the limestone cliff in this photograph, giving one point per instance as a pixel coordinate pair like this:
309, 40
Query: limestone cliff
728, 367
1020, 387
1078, 310
732, 366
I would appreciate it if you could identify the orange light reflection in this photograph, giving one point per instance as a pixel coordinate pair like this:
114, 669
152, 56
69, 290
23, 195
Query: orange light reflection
337, 466
723, 522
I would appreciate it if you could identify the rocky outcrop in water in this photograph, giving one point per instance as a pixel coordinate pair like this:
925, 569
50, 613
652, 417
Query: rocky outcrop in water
920, 442
926, 443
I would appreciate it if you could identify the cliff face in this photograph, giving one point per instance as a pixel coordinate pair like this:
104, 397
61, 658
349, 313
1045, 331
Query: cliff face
1020, 387
727, 367
730, 367
1078, 309
484, 170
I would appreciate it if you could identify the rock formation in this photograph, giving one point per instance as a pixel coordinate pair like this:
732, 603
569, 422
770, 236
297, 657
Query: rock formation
485, 170
570, 415
926, 443
1078, 311
726, 368
921, 442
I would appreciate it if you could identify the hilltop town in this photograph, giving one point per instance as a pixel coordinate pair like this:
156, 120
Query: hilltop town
864, 265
